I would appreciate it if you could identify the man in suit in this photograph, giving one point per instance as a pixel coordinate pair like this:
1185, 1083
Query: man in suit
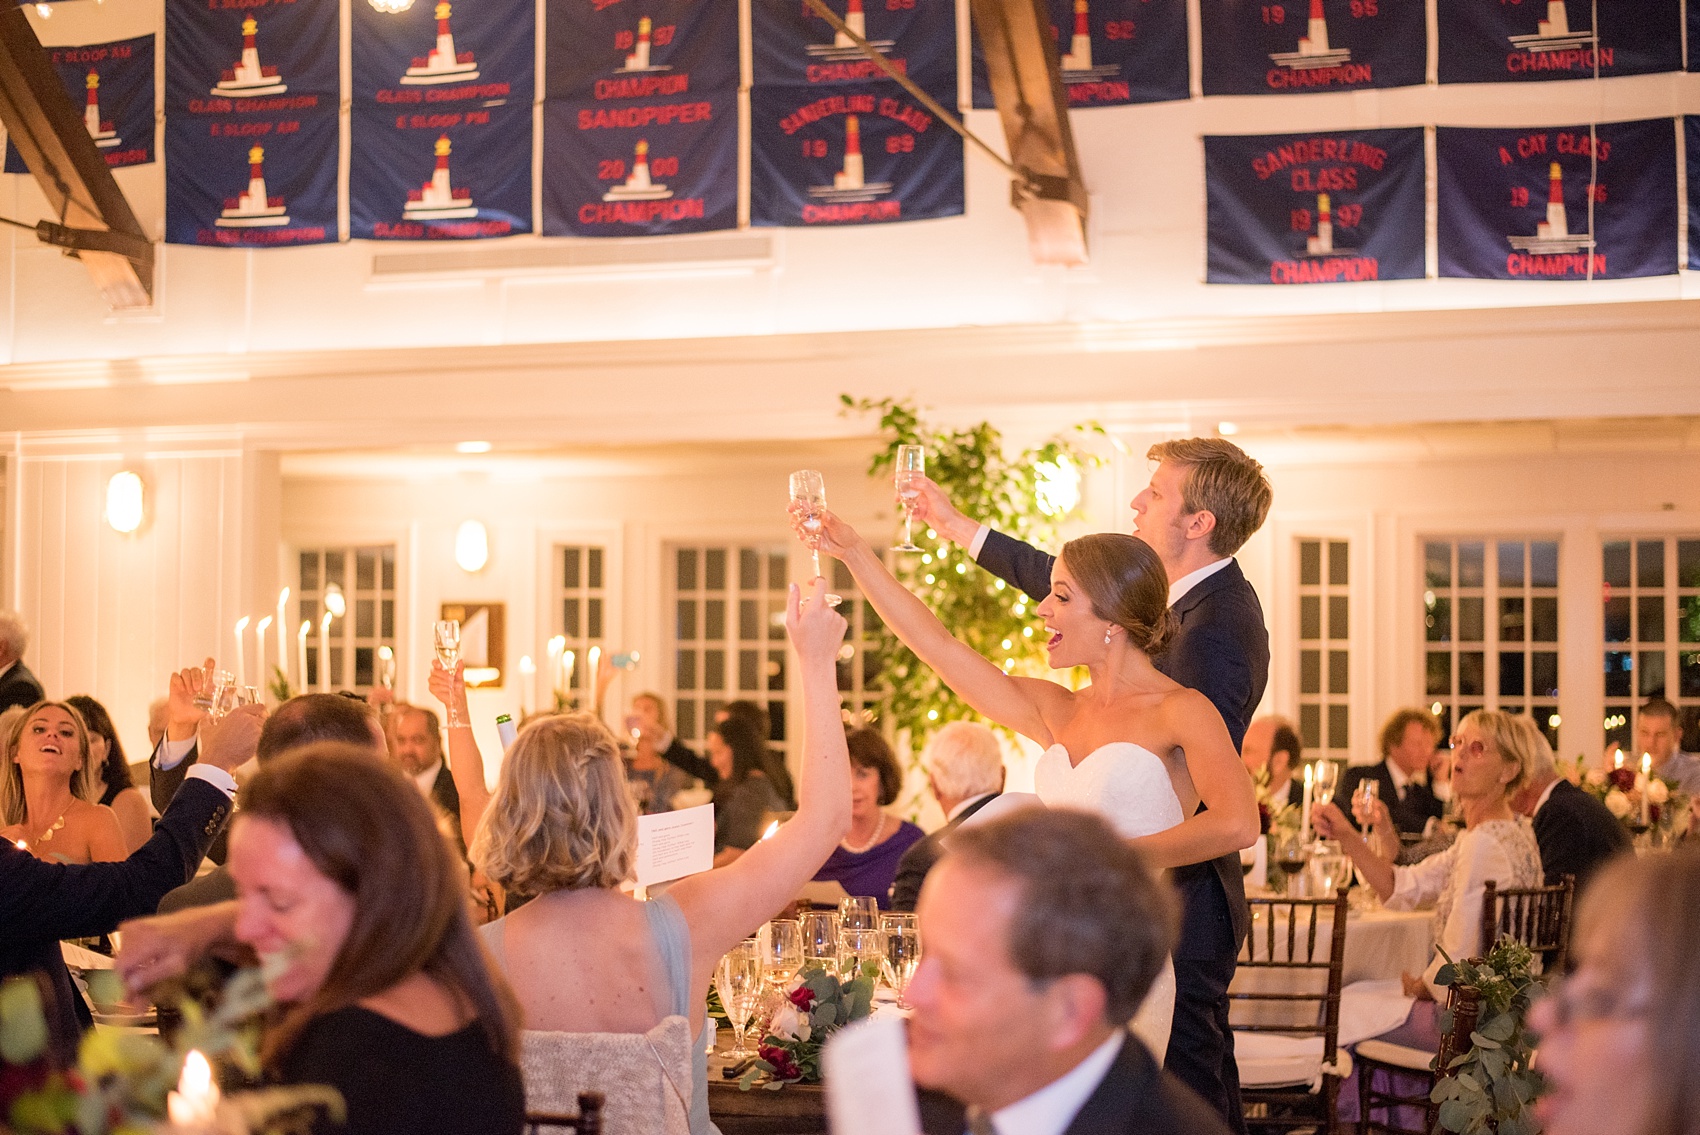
1408, 740
17, 685
965, 772
1205, 500
416, 746
42, 902
1575, 832
1044, 932
1272, 750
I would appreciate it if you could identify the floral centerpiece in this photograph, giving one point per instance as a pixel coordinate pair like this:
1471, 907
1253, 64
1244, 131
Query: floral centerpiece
817, 1006
1492, 1086
1639, 799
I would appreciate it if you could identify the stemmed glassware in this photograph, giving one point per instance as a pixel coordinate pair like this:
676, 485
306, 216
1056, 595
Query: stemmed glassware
808, 493
1326, 781
738, 981
820, 940
781, 951
219, 693
445, 640
859, 947
911, 463
902, 958
858, 912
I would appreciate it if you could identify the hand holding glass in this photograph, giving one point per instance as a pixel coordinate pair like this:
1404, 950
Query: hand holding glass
911, 463
1327, 780
446, 641
808, 493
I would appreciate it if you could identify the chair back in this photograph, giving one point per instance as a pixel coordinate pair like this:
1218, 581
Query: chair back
588, 1121
644, 1079
1538, 917
1307, 939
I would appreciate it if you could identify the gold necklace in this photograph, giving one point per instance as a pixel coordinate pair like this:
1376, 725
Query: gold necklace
53, 827
879, 831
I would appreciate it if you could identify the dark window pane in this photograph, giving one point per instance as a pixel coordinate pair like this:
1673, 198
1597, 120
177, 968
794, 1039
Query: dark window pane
778, 571
749, 669
775, 670
1690, 728
310, 614
570, 618
1543, 715
714, 569
714, 619
776, 618
1471, 618
685, 711
1543, 674
570, 562
335, 572
1650, 563
386, 629
749, 570
595, 572
1310, 671
714, 669
1617, 619
387, 575
872, 665
1437, 565
1511, 564
776, 715
1339, 731
365, 571
1688, 619
685, 621
1472, 670
1650, 679
336, 668
1511, 674
1619, 675
312, 668
1438, 621
749, 620
1511, 620
594, 610
1472, 563
1444, 720
1310, 617
1543, 563
1650, 618
1310, 725
363, 665
1618, 729
1338, 669
1543, 618
1339, 620
1439, 675
1688, 568
1338, 563
687, 569
363, 612
1614, 557
846, 675
309, 571
1688, 669
1310, 563
685, 676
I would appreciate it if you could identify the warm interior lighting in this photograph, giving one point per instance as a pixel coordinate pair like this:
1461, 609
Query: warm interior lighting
390, 7
1227, 429
124, 501
1058, 486
472, 546
473, 447
334, 601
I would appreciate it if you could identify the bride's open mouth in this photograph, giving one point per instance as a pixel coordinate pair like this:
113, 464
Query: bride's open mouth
1056, 637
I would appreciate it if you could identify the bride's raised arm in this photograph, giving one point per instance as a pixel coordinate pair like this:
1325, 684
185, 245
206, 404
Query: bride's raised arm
1018, 703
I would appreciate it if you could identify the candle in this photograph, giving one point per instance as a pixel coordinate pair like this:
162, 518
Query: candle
325, 652
282, 622
241, 660
260, 650
1646, 783
556, 646
301, 655
195, 1102
1304, 808
528, 680
1618, 758
593, 661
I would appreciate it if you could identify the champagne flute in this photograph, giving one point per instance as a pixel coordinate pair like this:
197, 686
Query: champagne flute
781, 952
808, 492
820, 939
221, 700
858, 912
911, 463
445, 639
1327, 780
902, 958
738, 981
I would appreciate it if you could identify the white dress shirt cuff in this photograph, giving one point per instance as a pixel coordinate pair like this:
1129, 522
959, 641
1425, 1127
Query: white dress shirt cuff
170, 753
214, 776
979, 541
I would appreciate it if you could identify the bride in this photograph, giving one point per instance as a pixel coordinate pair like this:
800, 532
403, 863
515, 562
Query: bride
1133, 745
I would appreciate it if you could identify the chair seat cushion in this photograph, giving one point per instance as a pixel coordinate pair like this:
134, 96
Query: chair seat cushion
1269, 1060
1398, 1055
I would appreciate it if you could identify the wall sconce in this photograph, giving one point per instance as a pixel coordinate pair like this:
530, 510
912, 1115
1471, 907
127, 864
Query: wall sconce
472, 546
124, 501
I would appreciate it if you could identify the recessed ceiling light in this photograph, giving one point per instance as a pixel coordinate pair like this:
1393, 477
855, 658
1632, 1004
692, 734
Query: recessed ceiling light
472, 447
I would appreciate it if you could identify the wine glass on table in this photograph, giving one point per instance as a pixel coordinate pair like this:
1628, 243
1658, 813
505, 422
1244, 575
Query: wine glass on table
808, 493
902, 958
858, 912
820, 940
738, 981
445, 640
781, 952
1291, 855
861, 947
911, 464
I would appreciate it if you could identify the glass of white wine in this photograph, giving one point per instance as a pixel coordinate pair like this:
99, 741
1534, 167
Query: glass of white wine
808, 493
738, 981
902, 958
911, 463
445, 639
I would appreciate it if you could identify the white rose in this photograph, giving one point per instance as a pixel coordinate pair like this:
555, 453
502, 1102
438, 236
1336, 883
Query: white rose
1617, 803
1657, 791
1597, 777
789, 1023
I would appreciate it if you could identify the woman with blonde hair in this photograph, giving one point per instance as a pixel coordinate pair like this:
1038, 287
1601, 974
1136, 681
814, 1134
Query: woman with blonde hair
46, 789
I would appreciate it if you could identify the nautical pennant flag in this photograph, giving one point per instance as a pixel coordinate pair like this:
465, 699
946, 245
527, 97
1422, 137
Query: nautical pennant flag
1303, 46
1336, 207
113, 85
1112, 52
1511, 41
793, 46
1558, 202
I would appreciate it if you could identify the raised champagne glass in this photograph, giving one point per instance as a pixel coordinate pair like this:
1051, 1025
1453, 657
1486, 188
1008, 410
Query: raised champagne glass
445, 640
808, 493
911, 463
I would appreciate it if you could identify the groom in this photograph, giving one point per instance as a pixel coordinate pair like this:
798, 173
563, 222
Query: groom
1205, 500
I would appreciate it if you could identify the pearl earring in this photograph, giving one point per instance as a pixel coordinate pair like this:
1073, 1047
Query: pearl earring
1106, 638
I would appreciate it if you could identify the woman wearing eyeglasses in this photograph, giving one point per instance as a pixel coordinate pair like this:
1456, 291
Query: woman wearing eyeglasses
1620, 1037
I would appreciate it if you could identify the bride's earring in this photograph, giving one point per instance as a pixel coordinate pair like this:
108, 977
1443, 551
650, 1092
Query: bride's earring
1106, 638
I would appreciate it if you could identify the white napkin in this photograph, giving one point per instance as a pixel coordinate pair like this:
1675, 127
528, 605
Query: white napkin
1371, 1008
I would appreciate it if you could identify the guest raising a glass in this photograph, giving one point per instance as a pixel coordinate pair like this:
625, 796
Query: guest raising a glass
747, 792
865, 862
46, 789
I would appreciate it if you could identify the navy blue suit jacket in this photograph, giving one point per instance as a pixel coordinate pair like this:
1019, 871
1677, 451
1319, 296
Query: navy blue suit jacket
1576, 834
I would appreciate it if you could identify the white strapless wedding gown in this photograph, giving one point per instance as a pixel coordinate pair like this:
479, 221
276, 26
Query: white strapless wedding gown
1129, 786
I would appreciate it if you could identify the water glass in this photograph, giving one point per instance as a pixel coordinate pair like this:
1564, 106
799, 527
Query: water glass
1330, 868
820, 939
738, 981
858, 912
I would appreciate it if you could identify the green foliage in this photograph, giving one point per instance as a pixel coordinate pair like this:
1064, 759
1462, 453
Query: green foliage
279, 686
990, 616
1491, 1086
794, 1057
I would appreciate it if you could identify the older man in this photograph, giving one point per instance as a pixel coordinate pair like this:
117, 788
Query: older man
17, 685
1408, 740
965, 772
1575, 832
1658, 733
416, 745
1044, 932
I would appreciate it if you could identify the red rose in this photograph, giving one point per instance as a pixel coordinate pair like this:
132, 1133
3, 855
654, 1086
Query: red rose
1263, 817
1623, 779
784, 1068
17, 1079
803, 997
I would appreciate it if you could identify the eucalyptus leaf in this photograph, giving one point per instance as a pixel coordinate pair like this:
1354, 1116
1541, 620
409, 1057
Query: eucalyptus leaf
1483, 1042
1499, 1028
23, 1024
1454, 1115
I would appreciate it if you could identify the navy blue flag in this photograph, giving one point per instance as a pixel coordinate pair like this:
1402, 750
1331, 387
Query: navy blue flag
1314, 208
442, 120
640, 168
618, 50
1536, 204
1113, 52
1259, 47
112, 84
1691, 127
795, 47
852, 155
1510, 41
229, 57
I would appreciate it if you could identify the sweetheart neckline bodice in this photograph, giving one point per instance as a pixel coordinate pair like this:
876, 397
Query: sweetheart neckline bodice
1074, 764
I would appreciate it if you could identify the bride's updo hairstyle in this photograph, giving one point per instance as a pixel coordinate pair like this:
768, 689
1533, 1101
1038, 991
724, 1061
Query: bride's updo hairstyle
1125, 582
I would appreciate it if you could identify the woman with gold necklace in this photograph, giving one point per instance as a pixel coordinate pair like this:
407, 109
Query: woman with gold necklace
44, 788
865, 862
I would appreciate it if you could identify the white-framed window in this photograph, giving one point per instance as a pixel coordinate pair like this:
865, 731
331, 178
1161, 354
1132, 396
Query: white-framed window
1651, 596
727, 611
365, 575
580, 613
1324, 645
859, 659
1491, 628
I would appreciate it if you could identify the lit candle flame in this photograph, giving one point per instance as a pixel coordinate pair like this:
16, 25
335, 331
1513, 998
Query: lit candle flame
195, 1101
594, 658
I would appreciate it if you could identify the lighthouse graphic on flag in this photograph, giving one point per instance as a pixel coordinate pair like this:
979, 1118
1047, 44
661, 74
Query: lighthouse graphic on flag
637, 60
638, 187
253, 209
848, 183
443, 64
842, 46
103, 134
1553, 33
1321, 242
1314, 51
1077, 61
437, 199
248, 79
1553, 235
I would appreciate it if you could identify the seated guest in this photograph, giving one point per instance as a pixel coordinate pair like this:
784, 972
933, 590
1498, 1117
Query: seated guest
416, 746
1044, 930
356, 907
18, 686
751, 714
42, 902
1576, 833
1658, 734
964, 764
114, 786
47, 790
745, 794
583, 957
1273, 754
1619, 1042
657, 781
865, 862
1408, 740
